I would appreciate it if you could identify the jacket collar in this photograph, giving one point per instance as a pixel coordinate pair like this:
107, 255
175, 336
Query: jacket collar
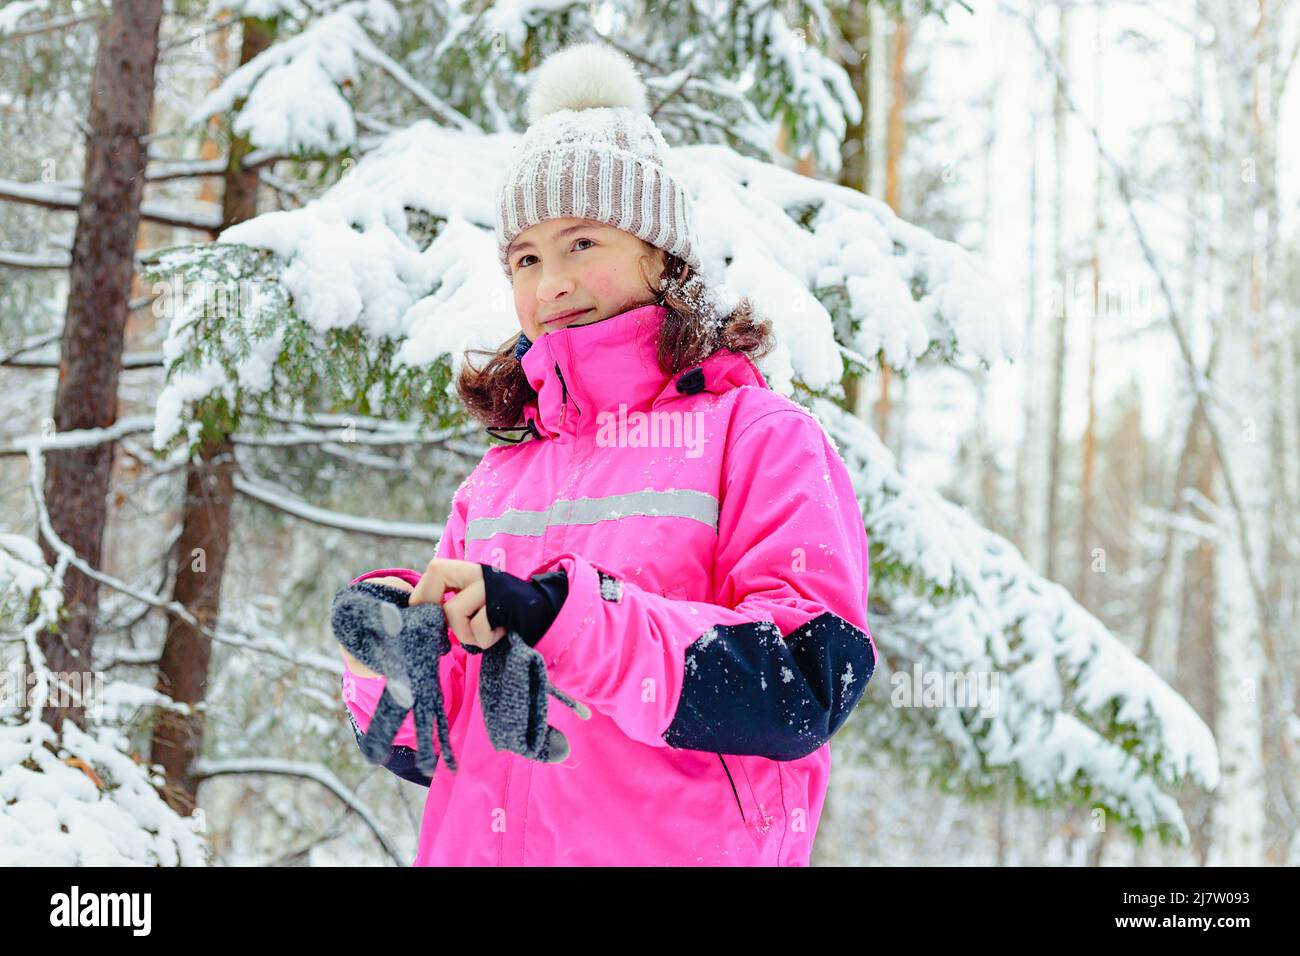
580, 371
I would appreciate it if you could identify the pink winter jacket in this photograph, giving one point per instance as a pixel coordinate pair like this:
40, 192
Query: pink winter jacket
715, 623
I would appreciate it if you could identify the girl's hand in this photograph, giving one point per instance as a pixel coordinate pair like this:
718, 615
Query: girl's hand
467, 611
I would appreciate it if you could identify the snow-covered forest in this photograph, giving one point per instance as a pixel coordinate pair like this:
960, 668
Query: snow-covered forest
1034, 266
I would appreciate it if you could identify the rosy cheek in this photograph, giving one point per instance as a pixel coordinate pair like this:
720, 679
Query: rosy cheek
526, 314
603, 283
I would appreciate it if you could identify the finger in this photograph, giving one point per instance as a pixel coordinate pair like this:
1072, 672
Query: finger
459, 610
443, 575
484, 634
432, 584
425, 589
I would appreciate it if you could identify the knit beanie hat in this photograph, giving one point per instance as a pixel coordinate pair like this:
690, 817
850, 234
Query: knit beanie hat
591, 151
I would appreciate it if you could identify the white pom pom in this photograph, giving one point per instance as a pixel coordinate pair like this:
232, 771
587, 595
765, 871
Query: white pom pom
585, 76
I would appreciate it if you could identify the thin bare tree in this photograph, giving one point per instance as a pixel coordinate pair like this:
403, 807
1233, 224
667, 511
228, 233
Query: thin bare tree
102, 264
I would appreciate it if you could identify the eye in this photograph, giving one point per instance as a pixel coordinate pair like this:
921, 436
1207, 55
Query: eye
528, 255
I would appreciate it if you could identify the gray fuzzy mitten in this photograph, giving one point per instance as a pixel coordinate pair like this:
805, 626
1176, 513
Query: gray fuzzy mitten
379, 628
513, 690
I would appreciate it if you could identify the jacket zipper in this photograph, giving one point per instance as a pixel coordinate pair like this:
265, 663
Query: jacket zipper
733, 789
564, 406
501, 844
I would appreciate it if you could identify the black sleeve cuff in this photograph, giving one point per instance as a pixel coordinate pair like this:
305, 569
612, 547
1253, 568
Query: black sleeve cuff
528, 608
401, 760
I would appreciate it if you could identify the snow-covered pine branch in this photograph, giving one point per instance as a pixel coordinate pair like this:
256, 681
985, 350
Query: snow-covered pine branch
237, 353
84, 801
1079, 718
29, 589
386, 279
295, 93
299, 93
16, 11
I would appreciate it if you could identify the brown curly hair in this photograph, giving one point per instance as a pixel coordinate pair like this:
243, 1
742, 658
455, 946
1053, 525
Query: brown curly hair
496, 393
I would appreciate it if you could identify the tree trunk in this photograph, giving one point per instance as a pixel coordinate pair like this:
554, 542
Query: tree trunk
1279, 689
1026, 455
1195, 671
853, 42
1059, 321
1240, 813
1087, 535
183, 669
1198, 272
205, 532
893, 184
1158, 591
103, 260
1196, 658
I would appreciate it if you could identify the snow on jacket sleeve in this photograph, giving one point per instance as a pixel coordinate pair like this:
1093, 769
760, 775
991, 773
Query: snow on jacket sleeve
361, 694
776, 667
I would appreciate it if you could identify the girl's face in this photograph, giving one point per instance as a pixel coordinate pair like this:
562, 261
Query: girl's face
563, 265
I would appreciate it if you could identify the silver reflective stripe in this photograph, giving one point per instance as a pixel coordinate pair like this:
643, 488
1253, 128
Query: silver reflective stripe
680, 503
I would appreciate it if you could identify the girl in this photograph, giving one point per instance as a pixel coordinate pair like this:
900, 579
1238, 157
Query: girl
681, 543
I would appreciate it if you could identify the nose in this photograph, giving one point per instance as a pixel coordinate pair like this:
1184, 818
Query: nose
555, 284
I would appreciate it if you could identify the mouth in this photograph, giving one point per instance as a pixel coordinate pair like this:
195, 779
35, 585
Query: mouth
567, 315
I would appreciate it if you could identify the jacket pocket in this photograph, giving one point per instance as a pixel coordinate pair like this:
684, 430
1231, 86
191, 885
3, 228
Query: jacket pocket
760, 778
734, 792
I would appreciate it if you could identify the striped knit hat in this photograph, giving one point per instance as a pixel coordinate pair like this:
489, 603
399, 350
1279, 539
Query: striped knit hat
591, 151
